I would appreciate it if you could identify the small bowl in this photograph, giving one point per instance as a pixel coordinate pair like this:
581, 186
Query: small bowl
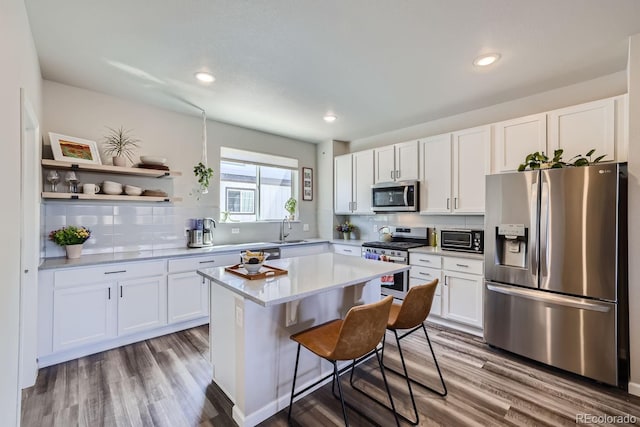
253, 268
110, 187
153, 160
132, 190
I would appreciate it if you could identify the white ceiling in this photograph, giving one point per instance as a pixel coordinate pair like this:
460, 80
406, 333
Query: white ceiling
280, 65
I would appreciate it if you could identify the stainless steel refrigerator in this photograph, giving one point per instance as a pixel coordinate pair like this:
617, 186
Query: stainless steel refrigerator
556, 268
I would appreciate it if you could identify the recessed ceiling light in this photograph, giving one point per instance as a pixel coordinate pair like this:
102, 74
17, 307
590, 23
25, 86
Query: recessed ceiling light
329, 118
488, 59
205, 77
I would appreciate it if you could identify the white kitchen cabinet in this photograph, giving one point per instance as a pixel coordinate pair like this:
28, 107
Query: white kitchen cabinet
579, 128
83, 314
515, 139
435, 164
398, 162
462, 298
453, 169
353, 177
347, 250
458, 297
142, 304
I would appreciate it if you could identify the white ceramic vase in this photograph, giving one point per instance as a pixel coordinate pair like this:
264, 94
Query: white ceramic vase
74, 251
119, 161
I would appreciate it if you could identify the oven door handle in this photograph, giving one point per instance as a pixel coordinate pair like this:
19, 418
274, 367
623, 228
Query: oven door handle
397, 259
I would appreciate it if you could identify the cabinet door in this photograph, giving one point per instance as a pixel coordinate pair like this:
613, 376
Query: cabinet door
188, 297
515, 139
142, 304
462, 298
580, 128
470, 165
342, 184
347, 250
435, 188
362, 181
407, 161
385, 164
436, 305
83, 315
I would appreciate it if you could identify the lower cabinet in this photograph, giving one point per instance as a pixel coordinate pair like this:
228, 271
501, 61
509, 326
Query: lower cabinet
188, 296
83, 315
141, 304
458, 296
347, 250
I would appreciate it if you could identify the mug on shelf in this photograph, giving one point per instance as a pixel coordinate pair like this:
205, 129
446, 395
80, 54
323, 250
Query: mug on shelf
90, 188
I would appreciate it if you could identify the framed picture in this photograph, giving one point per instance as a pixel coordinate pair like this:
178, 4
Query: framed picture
307, 184
74, 150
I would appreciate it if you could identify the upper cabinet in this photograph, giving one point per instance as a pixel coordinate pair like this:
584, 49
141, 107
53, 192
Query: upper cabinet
580, 128
398, 162
453, 168
471, 162
599, 125
515, 139
353, 177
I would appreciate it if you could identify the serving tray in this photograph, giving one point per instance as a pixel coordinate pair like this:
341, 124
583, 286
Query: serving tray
239, 270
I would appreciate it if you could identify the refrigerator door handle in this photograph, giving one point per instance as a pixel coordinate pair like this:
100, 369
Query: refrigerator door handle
544, 228
574, 302
533, 237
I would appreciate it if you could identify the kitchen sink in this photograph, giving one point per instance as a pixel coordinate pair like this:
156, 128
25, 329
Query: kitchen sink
284, 242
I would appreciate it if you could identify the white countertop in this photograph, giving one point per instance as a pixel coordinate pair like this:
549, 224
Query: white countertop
348, 242
439, 251
98, 259
307, 275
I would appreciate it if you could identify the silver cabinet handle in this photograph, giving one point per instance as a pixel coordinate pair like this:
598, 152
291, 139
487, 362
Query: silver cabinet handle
120, 291
207, 262
425, 260
348, 250
455, 200
397, 173
115, 272
463, 265
109, 293
424, 274
448, 202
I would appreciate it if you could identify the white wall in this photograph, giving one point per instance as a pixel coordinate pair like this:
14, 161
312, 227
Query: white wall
83, 113
19, 69
326, 151
634, 210
602, 87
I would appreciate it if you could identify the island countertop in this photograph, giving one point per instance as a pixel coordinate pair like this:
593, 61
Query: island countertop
307, 275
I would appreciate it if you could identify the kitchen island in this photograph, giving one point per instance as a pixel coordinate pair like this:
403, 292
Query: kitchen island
251, 321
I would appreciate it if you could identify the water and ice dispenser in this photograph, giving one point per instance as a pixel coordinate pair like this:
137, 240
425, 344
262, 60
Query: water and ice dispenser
511, 245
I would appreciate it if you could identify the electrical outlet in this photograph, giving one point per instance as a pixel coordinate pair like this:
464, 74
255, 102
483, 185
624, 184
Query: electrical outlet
305, 227
235, 231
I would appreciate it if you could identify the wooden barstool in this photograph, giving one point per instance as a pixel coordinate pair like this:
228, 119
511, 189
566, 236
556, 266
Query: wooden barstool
411, 315
354, 337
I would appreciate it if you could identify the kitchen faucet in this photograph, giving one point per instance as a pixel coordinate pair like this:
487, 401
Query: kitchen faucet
282, 235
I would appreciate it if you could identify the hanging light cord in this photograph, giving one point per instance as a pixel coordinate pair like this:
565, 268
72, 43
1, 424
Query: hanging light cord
204, 138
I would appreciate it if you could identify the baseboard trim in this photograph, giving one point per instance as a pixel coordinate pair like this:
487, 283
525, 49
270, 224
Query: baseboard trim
634, 388
455, 325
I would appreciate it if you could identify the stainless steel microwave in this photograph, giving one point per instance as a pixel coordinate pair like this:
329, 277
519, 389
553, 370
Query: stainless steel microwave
395, 197
462, 240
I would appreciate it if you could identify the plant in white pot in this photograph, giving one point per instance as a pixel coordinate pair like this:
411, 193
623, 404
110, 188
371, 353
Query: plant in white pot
290, 206
120, 144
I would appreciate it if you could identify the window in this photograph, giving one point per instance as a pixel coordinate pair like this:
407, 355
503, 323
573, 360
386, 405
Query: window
253, 190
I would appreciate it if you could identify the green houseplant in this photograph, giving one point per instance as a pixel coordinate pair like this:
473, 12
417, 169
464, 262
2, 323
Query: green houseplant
290, 206
72, 238
539, 160
346, 229
204, 174
119, 144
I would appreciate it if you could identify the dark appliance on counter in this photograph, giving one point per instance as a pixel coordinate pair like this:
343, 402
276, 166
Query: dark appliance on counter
201, 232
395, 196
397, 250
556, 268
462, 240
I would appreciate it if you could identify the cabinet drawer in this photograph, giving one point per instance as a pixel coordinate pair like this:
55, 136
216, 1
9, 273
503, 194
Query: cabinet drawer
179, 265
425, 274
417, 282
347, 250
83, 276
424, 260
465, 265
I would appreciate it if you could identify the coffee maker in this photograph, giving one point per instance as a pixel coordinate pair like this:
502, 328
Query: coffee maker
201, 232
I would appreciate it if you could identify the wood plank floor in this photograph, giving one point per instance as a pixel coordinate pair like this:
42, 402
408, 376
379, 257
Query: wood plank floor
165, 382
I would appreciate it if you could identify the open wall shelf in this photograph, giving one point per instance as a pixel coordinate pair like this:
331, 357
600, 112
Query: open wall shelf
119, 197
87, 167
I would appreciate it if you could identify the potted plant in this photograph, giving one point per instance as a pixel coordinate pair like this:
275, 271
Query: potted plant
72, 238
346, 229
204, 174
290, 206
120, 145
539, 160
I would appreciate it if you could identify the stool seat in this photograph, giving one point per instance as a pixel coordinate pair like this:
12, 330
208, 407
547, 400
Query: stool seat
320, 339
